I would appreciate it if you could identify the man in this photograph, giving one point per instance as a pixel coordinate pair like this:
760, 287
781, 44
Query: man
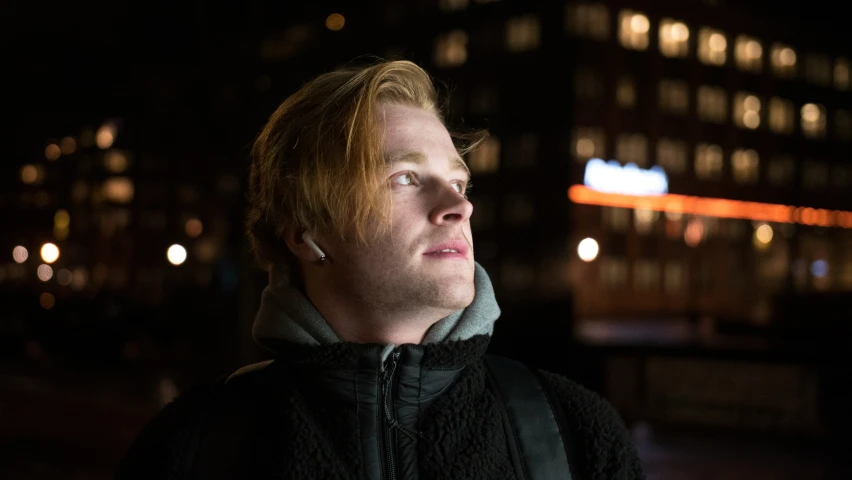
377, 314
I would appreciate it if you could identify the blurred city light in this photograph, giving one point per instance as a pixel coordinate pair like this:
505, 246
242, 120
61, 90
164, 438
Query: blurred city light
819, 268
176, 254
68, 145
20, 254
115, 161
64, 277
49, 252
29, 174
52, 152
118, 189
718, 42
588, 249
194, 227
714, 207
694, 232
639, 23
61, 219
47, 301
80, 277
45, 272
335, 22
764, 234
105, 136
788, 57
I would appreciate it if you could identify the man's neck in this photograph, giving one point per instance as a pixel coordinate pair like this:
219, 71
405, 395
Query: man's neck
357, 321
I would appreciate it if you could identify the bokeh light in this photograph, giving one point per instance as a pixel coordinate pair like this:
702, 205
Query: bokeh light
194, 227
335, 22
64, 277
47, 301
764, 234
20, 254
588, 249
45, 272
67, 145
29, 174
49, 252
52, 152
176, 254
105, 136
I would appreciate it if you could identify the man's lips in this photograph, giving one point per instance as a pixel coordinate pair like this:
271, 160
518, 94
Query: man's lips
450, 248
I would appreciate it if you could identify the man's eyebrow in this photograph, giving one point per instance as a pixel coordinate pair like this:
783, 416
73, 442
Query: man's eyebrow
456, 163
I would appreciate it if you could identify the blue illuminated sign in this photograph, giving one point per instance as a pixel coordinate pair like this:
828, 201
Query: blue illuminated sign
611, 177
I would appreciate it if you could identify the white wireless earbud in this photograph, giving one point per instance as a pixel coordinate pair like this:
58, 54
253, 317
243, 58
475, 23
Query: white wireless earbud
309, 239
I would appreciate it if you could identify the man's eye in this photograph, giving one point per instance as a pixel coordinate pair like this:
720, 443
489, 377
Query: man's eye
404, 179
459, 187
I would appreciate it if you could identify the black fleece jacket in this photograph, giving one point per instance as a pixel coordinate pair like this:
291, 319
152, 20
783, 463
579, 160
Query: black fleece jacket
309, 415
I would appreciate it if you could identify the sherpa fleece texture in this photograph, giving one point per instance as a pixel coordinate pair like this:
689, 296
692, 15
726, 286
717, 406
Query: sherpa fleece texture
262, 427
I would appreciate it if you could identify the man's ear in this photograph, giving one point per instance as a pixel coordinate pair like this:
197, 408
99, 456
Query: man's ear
296, 244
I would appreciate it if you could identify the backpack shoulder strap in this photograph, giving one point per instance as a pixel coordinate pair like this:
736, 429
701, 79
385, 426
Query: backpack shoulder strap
535, 440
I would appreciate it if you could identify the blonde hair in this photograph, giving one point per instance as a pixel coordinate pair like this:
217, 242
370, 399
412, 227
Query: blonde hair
318, 164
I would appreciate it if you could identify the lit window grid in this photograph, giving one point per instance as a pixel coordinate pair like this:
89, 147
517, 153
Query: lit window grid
587, 19
673, 38
633, 28
712, 46
748, 54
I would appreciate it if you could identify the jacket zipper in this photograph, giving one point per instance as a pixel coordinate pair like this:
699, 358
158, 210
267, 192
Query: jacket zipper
389, 421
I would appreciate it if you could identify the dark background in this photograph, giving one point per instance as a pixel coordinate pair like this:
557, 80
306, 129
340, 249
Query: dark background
188, 86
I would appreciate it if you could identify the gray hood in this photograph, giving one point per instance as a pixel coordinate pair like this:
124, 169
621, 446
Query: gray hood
286, 314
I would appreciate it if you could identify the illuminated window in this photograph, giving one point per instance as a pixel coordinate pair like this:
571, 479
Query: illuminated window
484, 100
633, 30
674, 38
745, 166
523, 33
746, 110
483, 212
782, 115
843, 124
588, 142
613, 272
518, 210
818, 69
814, 175
588, 84
673, 96
632, 149
671, 155
521, 151
451, 49
616, 219
781, 170
588, 20
841, 74
625, 92
813, 120
673, 278
644, 220
646, 274
712, 104
712, 46
783, 60
486, 158
452, 5
748, 54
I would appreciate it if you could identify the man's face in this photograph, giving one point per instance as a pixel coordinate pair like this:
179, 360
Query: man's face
401, 270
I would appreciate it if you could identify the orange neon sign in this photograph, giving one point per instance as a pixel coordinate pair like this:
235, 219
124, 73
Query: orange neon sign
714, 207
